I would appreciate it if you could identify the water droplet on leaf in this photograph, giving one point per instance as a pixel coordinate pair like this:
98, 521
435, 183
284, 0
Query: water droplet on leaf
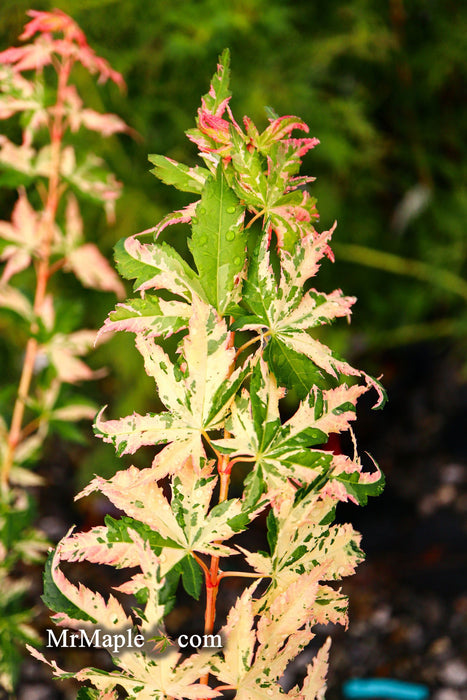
202, 240
202, 210
237, 260
230, 235
230, 210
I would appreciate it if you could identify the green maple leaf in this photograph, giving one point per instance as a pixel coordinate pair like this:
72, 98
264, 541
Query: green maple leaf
218, 241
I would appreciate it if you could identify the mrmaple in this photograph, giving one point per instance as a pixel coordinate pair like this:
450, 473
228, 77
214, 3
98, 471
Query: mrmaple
246, 319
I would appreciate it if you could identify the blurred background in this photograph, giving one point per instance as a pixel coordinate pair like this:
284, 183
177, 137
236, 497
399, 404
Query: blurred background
382, 85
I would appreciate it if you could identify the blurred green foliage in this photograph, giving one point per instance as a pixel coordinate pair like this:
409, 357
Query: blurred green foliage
379, 83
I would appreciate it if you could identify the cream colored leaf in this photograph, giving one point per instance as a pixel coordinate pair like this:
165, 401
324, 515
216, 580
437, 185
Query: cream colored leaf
93, 270
197, 392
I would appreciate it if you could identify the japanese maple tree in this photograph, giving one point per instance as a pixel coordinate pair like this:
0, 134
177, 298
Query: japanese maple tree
246, 319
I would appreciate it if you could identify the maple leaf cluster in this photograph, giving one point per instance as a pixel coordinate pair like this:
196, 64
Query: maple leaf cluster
247, 319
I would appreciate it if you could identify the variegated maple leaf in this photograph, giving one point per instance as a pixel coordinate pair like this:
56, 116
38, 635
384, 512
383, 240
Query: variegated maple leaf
143, 673
155, 266
186, 524
255, 659
149, 677
40, 52
285, 313
302, 542
84, 259
85, 606
281, 450
270, 187
22, 238
197, 393
63, 352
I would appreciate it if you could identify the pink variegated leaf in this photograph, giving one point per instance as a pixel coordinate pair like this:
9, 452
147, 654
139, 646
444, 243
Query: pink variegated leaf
286, 313
16, 259
63, 351
24, 235
94, 547
281, 451
241, 639
13, 299
283, 631
109, 614
73, 45
73, 226
279, 129
181, 216
291, 217
93, 270
74, 412
302, 146
30, 57
323, 357
48, 22
20, 158
212, 132
205, 529
358, 484
91, 178
146, 676
138, 495
156, 676
105, 124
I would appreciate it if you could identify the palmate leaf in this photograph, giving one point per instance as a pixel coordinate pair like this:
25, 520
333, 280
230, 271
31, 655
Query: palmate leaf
22, 236
197, 394
218, 240
255, 659
78, 605
181, 527
281, 451
304, 544
269, 187
286, 313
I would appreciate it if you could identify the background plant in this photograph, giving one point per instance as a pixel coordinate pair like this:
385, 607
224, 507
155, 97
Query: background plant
249, 319
45, 236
